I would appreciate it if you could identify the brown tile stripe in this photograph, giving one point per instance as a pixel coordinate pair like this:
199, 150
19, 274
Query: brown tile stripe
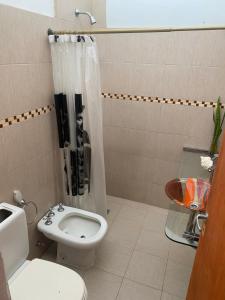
26, 116
186, 102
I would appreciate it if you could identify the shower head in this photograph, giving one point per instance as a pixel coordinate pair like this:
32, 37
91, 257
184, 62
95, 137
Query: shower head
92, 18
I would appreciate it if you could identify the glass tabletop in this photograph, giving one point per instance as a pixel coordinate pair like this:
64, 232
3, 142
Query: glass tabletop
180, 218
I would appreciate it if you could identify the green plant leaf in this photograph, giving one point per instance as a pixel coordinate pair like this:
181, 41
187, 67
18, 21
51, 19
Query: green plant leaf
217, 126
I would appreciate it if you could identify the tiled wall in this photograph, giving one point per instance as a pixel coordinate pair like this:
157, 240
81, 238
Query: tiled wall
144, 141
29, 159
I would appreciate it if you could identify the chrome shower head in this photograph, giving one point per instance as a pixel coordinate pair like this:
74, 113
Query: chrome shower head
92, 18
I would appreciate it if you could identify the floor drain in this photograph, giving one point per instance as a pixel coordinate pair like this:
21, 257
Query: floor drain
82, 236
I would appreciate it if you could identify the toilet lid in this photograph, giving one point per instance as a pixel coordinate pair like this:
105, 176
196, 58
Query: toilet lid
42, 280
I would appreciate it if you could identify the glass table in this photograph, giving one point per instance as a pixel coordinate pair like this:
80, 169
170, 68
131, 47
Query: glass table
180, 219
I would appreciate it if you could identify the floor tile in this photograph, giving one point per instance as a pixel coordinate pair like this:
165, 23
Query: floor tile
125, 230
136, 247
134, 204
146, 269
131, 290
156, 219
182, 254
114, 244
133, 214
102, 285
51, 253
153, 243
113, 211
166, 296
176, 279
113, 257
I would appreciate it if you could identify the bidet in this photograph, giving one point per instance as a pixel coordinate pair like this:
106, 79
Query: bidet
77, 232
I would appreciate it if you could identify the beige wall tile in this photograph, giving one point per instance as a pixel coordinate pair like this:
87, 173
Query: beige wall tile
148, 79
153, 48
176, 82
129, 176
18, 42
187, 65
130, 141
6, 91
201, 127
165, 170
183, 48
133, 115
32, 86
174, 119
156, 195
116, 169
122, 48
170, 146
120, 75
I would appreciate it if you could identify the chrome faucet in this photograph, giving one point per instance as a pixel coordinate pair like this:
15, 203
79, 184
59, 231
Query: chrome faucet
48, 221
198, 217
50, 213
60, 207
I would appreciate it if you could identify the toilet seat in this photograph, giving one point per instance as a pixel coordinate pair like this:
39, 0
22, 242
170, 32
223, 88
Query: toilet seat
42, 280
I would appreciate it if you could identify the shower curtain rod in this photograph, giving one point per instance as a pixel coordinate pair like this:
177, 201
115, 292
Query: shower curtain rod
138, 30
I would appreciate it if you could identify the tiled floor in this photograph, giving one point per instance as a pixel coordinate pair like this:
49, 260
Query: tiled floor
136, 261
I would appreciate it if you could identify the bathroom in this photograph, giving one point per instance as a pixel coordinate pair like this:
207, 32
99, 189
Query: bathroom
161, 74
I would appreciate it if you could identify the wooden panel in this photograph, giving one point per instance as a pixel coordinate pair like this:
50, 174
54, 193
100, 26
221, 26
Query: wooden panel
208, 274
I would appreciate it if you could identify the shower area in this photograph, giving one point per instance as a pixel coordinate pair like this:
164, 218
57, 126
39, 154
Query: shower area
158, 92
79, 120
158, 89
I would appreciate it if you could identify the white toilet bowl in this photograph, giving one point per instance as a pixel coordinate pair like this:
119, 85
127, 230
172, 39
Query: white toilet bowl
36, 279
77, 232
40, 279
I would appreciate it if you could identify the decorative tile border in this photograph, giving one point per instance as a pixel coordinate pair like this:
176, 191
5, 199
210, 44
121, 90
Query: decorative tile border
26, 116
186, 102
47, 109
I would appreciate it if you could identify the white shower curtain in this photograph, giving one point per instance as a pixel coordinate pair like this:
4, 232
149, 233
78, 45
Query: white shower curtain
76, 75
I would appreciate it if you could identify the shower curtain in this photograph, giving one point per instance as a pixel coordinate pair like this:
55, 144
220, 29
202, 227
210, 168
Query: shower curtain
78, 106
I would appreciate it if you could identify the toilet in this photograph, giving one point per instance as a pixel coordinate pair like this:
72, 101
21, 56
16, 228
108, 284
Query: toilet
36, 279
77, 232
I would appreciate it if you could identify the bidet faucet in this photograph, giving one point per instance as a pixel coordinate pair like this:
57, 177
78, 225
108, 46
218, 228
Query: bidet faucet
50, 213
60, 208
48, 221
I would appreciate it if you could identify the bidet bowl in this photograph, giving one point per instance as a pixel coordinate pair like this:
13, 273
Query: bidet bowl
75, 228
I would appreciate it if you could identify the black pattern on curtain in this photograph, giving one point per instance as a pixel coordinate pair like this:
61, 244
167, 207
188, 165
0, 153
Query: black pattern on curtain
80, 157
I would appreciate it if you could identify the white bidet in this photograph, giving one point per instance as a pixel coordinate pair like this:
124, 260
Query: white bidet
77, 232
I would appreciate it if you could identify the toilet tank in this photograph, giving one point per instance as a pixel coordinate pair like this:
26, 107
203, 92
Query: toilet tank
14, 244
